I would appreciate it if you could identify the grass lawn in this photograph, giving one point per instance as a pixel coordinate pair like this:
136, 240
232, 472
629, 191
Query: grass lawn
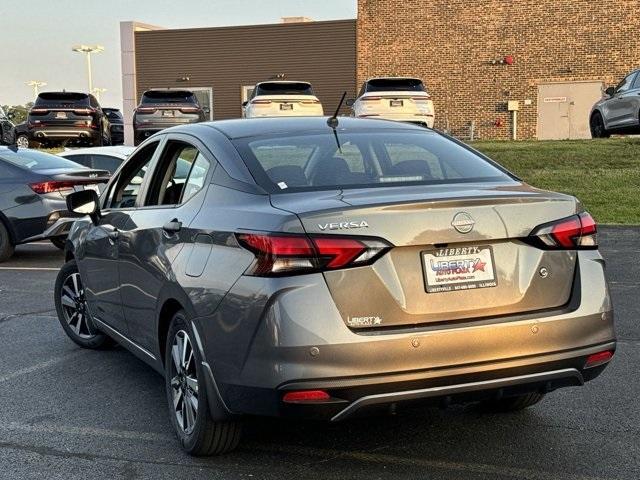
603, 174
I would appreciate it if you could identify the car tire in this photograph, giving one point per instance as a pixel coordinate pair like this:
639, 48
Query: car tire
596, 125
58, 242
6, 247
22, 141
513, 404
197, 431
72, 310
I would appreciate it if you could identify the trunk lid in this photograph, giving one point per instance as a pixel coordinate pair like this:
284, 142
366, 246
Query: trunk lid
418, 221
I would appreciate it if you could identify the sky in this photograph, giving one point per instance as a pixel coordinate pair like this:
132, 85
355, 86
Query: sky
37, 35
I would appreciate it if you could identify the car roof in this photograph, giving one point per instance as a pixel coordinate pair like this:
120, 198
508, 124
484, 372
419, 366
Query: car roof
119, 151
252, 127
284, 81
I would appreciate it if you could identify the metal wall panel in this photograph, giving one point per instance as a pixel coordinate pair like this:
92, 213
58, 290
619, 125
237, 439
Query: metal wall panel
226, 58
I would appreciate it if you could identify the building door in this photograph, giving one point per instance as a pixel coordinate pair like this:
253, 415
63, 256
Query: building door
563, 109
204, 96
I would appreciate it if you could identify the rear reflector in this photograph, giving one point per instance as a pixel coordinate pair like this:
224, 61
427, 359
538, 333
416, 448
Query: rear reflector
278, 254
306, 396
572, 233
599, 358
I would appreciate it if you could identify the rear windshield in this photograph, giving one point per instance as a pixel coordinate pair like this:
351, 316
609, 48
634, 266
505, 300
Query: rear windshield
362, 159
171, 96
280, 88
58, 98
395, 85
34, 160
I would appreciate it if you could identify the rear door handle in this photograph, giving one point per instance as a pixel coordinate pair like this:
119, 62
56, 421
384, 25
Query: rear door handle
172, 226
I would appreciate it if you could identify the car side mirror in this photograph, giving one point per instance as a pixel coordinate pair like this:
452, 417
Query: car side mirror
350, 102
610, 91
84, 202
245, 103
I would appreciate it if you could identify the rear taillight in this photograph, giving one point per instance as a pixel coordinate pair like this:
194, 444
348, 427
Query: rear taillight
294, 254
370, 99
421, 99
84, 111
310, 102
189, 109
260, 102
38, 111
145, 110
577, 232
52, 186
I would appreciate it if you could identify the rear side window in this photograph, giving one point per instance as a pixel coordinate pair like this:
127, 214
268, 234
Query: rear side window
282, 88
48, 99
363, 159
34, 160
105, 162
395, 85
168, 96
81, 159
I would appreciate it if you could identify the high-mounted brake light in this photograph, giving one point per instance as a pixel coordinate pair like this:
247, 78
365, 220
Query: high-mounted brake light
572, 233
278, 254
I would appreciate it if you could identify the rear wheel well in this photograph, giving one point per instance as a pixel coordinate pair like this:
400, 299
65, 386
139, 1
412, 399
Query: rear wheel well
167, 312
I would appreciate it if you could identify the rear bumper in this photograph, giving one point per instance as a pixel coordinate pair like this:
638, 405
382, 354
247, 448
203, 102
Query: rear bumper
58, 225
292, 337
53, 133
427, 119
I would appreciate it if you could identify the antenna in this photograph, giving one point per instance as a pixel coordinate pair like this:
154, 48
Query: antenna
333, 121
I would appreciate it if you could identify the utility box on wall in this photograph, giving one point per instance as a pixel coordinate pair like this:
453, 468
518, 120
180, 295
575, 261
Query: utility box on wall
513, 105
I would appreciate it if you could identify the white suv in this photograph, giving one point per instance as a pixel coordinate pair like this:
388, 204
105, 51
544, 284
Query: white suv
395, 98
282, 99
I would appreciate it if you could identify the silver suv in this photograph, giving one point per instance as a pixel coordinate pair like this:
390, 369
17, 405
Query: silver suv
619, 110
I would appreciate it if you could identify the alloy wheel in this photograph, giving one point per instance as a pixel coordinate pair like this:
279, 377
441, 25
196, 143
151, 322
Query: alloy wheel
22, 141
184, 382
597, 126
74, 307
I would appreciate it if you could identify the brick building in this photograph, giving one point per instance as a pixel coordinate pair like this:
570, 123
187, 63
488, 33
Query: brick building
563, 51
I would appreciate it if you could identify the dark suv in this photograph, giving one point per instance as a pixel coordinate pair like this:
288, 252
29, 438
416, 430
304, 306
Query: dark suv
160, 109
116, 122
7, 129
65, 118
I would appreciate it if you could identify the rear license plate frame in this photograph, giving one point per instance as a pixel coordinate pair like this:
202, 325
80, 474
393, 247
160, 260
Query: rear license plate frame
168, 113
478, 268
286, 106
61, 115
396, 103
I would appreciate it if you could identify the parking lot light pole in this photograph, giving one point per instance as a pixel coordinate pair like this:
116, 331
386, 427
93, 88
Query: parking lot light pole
36, 85
97, 91
88, 50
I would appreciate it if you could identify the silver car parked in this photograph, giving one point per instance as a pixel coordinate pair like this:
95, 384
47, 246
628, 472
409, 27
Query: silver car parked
619, 110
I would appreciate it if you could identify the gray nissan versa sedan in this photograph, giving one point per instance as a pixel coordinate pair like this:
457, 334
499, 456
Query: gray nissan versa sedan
325, 269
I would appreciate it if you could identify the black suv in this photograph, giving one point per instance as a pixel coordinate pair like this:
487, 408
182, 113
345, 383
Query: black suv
160, 109
116, 121
66, 118
7, 129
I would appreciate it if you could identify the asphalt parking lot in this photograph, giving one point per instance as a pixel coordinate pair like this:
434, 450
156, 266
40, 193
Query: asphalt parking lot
74, 414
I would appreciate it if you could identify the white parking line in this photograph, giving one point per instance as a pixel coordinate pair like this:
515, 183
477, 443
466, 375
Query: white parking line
47, 269
88, 431
41, 366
